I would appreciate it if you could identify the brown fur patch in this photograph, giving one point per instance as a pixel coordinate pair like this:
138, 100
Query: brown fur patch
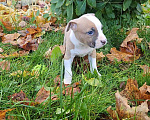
83, 26
93, 54
68, 45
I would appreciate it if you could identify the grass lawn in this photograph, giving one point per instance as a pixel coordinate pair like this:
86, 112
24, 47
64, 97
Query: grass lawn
91, 102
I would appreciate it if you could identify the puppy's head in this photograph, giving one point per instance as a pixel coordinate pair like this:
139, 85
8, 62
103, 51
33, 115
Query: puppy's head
88, 30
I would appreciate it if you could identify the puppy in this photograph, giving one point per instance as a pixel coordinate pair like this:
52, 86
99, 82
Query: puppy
82, 37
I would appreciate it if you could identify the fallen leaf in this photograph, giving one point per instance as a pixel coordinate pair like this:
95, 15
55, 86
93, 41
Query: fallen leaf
145, 68
57, 81
131, 49
122, 85
135, 95
28, 43
99, 56
128, 50
144, 89
124, 111
46, 27
1, 34
43, 94
132, 36
53, 20
8, 26
21, 96
31, 31
132, 92
40, 20
15, 54
72, 89
1, 50
10, 38
128, 54
22, 24
145, 93
3, 113
4, 65
117, 55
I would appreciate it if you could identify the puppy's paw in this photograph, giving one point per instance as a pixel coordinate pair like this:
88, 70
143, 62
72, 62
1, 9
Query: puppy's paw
67, 80
99, 74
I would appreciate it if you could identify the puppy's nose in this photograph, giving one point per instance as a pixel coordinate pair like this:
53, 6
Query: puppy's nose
103, 42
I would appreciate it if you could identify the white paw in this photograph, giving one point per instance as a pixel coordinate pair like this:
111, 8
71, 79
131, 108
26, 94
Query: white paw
67, 80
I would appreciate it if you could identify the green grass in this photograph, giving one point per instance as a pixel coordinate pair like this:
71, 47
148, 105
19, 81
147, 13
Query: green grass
91, 102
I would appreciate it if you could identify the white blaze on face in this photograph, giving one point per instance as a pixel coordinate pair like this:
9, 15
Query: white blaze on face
101, 37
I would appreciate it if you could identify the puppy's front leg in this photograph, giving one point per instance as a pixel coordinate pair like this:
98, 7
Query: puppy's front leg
92, 61
68, 72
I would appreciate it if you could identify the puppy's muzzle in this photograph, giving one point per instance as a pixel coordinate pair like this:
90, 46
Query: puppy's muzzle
103, 42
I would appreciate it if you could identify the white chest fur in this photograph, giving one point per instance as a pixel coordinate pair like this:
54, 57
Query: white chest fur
80, 48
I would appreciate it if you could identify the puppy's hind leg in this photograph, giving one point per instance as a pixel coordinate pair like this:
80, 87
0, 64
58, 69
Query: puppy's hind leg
92, 61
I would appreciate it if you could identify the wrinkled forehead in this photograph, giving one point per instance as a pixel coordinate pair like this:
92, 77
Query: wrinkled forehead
89, 21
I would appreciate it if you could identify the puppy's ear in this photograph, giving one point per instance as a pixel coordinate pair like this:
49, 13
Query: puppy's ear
91, 14
72, 25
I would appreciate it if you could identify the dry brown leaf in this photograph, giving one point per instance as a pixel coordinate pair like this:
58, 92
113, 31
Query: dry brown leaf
3, 113
31, 31
22, 24
115, 54
131, 49
132, 36
21, 96
40, 20
72, 89
145, 93
145, 68
131, 91
43, 94
28, 43
135, 95
53, 20
8, 25
10, 38
128, 54
57, 81
144, 89
124, 111
15, 54
1, 32
1, 50
99, 56
46, 27
4, 65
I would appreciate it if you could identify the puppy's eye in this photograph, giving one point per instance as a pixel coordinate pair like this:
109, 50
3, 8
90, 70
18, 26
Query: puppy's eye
91, 32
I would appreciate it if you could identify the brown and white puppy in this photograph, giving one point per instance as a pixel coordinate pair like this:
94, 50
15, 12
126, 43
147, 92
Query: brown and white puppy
82, 36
